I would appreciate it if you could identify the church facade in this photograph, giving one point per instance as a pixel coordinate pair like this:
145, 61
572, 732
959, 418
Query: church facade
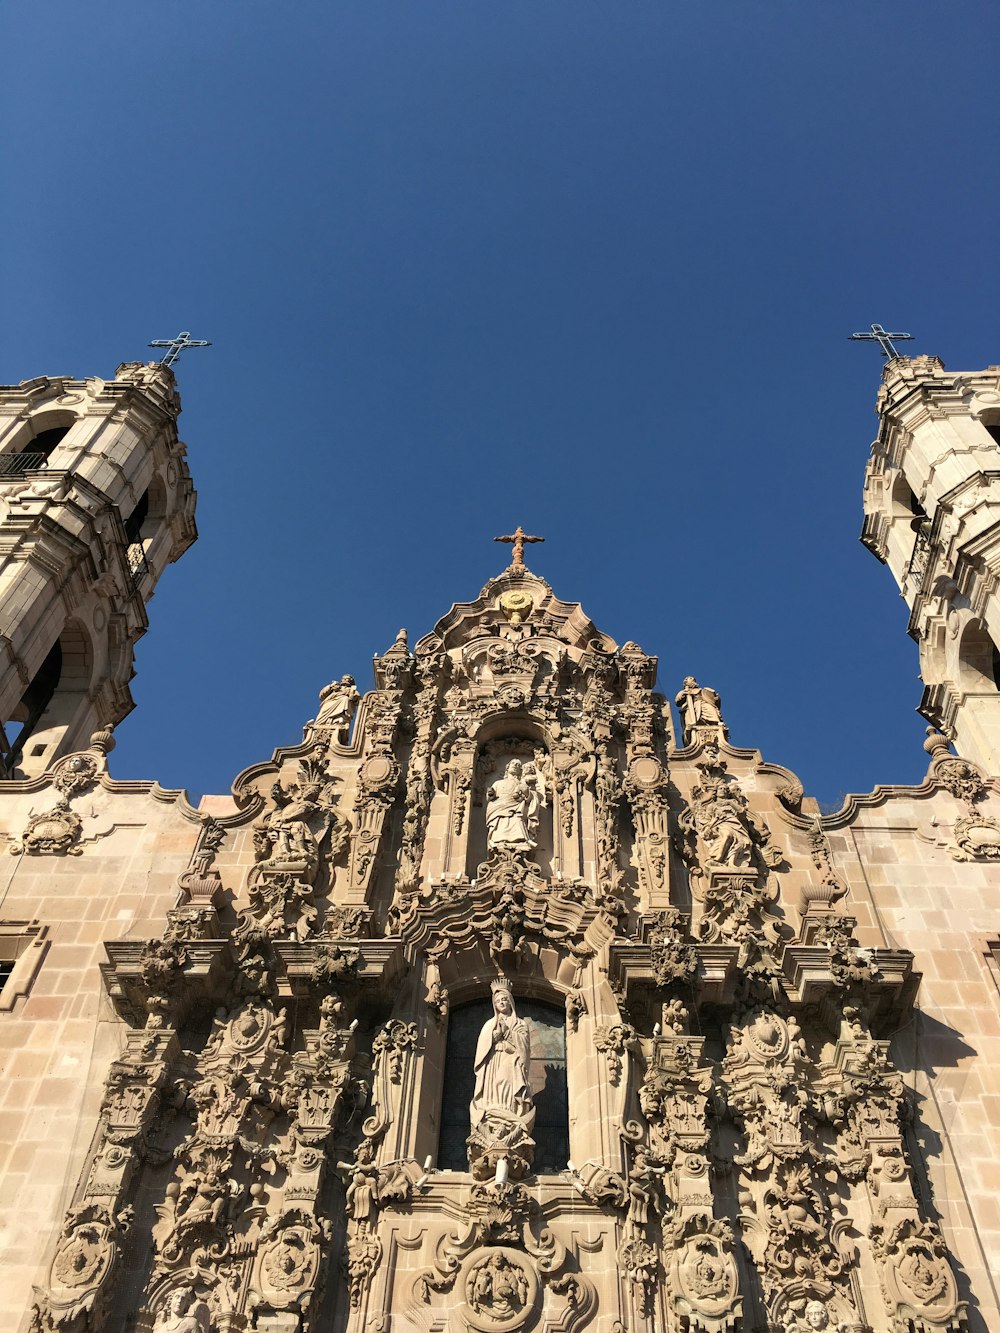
516, 996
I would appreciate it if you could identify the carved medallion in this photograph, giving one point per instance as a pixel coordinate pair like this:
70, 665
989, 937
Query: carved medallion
378, 772
500, 1290
917, 1276
645, 772
84, 1257
703, 1272
978, 838
288, 1265
516, 604
54, 831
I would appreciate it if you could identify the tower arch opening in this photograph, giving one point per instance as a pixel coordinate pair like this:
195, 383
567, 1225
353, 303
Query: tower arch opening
33, 448
904, 501
48, 705
143, 524
978, 660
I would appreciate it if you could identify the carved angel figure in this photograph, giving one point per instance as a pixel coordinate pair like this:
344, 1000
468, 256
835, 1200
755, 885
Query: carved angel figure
502, 1055
183, 1313
812, 1319
512, 808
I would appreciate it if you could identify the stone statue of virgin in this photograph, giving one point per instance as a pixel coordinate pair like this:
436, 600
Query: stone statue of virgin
503, 1052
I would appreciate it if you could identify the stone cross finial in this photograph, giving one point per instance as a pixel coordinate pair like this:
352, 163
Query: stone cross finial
517, 540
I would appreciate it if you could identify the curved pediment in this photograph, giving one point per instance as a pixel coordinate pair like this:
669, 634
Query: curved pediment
518, 601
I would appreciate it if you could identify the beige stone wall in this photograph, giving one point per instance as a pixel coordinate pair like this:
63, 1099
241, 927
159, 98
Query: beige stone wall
947, 912
57, 1042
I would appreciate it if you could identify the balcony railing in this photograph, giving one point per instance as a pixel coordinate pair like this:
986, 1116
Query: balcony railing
918, 560
138, 565
15, 465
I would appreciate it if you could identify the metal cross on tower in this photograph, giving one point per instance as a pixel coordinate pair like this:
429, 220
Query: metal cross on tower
884, 340
177, 346
517, 540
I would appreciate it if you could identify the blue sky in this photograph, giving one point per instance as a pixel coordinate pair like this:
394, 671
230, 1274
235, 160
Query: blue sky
589, 267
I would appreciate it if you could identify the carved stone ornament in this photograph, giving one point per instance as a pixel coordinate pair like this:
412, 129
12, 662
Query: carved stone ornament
75, 773
363, 1259
919, 1286
85, 1258
962, 779
614, 1041
51, 832
392, 1042
289, 1259
977, 838
703, 1276
501, 1290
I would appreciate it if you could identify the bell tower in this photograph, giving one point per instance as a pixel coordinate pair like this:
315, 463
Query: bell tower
932, 514
95, 501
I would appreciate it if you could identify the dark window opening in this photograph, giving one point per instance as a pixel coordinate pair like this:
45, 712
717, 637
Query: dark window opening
547, 1076
135, 520
45, 441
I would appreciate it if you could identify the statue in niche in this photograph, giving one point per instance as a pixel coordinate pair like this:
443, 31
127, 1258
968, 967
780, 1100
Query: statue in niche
701, 712
502, 1110
512, 805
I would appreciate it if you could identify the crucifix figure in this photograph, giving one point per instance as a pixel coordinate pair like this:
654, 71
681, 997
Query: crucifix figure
879, 335
177, 346
517, 540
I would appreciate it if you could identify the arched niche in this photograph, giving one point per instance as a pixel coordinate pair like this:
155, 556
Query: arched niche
546, 1077
509, 751
990, 421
